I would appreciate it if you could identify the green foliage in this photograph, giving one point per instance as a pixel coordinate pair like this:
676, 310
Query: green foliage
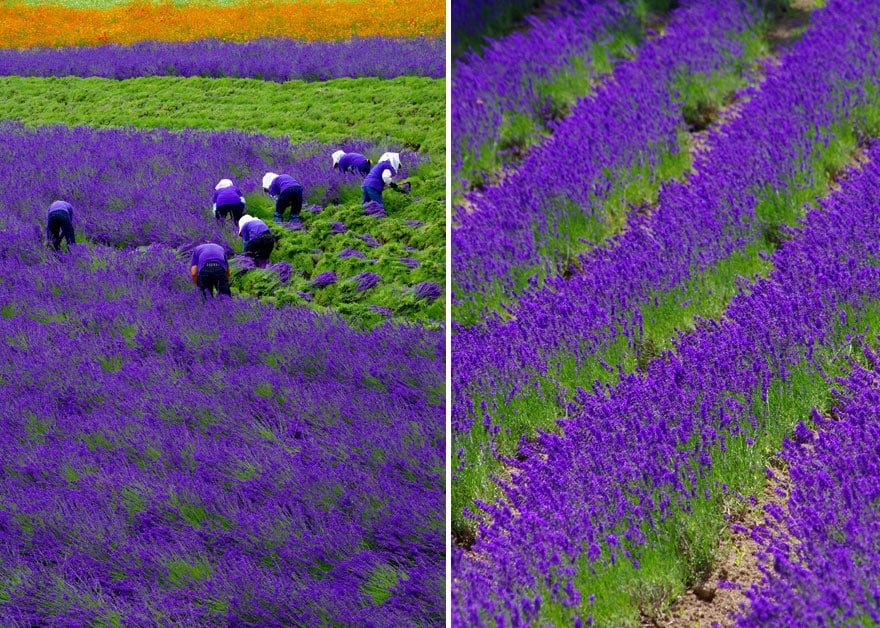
409, 110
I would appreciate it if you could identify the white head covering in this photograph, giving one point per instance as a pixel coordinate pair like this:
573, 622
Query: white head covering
268, 178
394, 158
337, 156
243, 221
224, 183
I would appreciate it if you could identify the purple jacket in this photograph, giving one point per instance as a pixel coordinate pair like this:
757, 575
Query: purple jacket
61, 206
252, 229
228, 196
351, 161
205, 253
281, 183
374, 179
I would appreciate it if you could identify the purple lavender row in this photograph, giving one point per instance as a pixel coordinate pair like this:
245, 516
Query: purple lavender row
228, 463
501, 80
697, 223
136, 188
633, 118
636, 453
267, 59
824, 556
473, 20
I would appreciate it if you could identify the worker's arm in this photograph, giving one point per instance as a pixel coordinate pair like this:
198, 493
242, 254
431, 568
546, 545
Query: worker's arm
228, 274
386, 176
214, 209
194, 271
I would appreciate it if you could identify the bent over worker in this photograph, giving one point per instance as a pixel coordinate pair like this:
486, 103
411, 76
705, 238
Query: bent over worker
209, 269
228, 199
286, 192
258, 240
59, 224
351, 162
381, 175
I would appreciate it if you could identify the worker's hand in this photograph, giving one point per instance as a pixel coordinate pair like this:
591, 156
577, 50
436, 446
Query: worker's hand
214, 211
228, 274
194, 272
393, 185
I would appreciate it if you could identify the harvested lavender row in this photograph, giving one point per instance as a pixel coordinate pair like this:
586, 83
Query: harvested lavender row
824, 79
275, 467
633, 118
635, 453
134, 188
825, 552
268, 59
501, 80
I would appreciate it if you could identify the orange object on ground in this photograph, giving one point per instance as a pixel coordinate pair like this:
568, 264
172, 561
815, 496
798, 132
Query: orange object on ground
23, 26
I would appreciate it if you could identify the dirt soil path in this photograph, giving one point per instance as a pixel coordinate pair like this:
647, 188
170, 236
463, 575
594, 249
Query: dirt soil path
720, 597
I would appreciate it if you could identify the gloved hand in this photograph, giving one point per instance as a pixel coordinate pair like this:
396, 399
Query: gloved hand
214, 211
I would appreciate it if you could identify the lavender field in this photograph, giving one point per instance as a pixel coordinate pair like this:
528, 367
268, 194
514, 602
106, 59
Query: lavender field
276, 458
665, 309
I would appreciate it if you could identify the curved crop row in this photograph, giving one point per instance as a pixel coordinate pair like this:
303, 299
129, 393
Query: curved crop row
635, 454
268, 59
274, 467
23, 26
133, 188
513, 230
744, 183
823, 555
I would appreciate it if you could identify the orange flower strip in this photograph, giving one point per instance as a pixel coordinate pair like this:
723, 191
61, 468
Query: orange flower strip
24, 26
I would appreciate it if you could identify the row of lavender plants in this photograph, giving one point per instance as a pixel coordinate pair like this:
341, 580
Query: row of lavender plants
502, 80
173, 462
265, 59
746, 180
520, 228
636, 455
823, 552
134, 188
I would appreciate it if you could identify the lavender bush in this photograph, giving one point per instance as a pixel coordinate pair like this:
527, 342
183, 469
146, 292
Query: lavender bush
823, 555
267, 59
169, 462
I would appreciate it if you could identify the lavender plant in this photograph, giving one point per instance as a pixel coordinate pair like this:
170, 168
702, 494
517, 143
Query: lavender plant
268, 59
171, 462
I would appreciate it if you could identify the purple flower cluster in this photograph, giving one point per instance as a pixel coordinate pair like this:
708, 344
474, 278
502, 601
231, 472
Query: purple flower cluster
501, 79
824, 556
366, 280
764, 153
268, 59
134, 188
345, 253
338, 227
427, 290
411, 262
322, 280
169, 462
633, 454
632, 119
374, 209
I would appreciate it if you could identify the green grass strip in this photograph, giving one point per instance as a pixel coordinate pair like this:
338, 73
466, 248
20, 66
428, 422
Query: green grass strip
409, 110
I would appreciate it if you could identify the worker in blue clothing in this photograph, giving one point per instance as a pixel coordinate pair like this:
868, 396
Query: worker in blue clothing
379, 176
59, 224
209, 269
351, 162
228, 199
258, 240
287, 192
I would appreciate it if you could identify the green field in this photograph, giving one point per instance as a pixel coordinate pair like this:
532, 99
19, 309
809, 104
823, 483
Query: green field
408, 110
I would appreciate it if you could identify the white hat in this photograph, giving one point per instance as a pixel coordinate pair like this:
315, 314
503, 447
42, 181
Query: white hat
268, 178
243, 221
337, 156
394, 158
224, 183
